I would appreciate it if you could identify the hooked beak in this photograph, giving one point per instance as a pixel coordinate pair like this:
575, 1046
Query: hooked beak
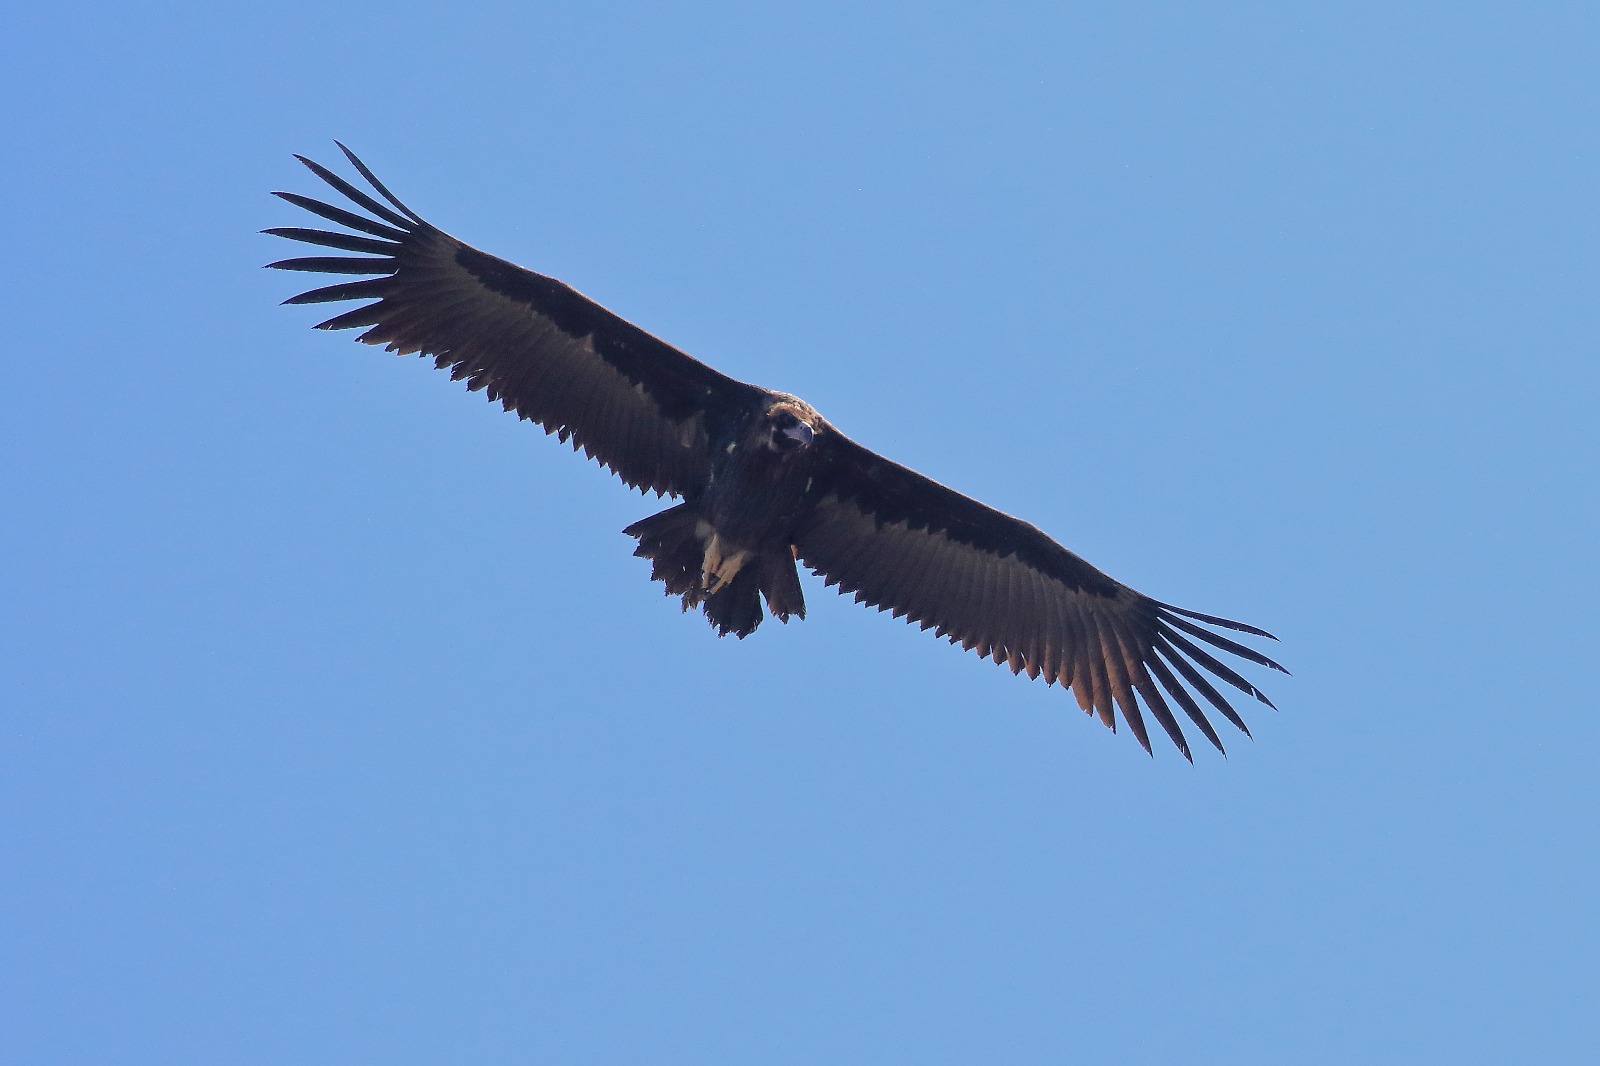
800, 433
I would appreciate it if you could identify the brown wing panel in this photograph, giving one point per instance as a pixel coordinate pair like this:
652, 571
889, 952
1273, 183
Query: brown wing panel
998, 586
636, 404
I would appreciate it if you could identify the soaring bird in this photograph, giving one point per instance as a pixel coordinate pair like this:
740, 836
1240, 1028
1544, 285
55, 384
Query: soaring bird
763, 479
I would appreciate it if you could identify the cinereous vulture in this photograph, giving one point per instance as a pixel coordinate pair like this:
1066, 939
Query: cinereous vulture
763, 479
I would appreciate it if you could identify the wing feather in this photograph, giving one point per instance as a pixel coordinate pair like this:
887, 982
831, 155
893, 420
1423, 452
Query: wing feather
335, 264
1121, 691
1163, 713
345, 218
1201, 685
983, 595
328, 239
355, 195
1216, 666
1014, 604
1000, 587
1099, 679
639, 406
1057, 637
1217, 641
1159, 668
1035, 640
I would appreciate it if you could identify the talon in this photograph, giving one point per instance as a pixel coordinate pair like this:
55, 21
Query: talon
720, 563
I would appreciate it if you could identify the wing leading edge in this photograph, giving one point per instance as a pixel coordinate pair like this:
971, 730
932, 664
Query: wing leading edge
994, 584
639, 406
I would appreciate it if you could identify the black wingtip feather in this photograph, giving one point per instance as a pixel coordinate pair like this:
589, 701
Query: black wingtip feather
1211, 619
347, 242
350, 218
1185, 700
335, 264
383, 189
354, 193
1231, 646
368, 315
345, 290
1198, 681
1217, 667
1163, 714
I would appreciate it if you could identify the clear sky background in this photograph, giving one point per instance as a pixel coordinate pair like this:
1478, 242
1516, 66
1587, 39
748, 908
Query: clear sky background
337, 723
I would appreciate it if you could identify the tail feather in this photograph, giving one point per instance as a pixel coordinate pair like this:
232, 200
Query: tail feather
780, 584
736, 606
674, 541
669, 540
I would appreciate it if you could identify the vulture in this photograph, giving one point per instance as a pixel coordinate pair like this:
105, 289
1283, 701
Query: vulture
762, 480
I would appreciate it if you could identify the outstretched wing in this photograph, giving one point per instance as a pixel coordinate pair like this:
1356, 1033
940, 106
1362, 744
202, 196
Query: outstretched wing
640, 406
997, 585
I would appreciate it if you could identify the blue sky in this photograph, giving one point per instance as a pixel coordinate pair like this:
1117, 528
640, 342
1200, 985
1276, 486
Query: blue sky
338, 724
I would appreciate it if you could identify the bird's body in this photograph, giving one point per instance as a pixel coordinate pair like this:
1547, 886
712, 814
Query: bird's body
762, 478
729, 546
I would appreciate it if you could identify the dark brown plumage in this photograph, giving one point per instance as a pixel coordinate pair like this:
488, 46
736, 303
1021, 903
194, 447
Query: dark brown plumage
764, 480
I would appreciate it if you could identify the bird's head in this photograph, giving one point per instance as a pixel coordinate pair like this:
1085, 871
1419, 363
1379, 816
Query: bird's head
790, 428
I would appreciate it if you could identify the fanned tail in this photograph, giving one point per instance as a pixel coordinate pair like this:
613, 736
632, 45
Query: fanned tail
675, 543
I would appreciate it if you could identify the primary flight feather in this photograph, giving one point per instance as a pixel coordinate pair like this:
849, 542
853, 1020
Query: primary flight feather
763, 478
